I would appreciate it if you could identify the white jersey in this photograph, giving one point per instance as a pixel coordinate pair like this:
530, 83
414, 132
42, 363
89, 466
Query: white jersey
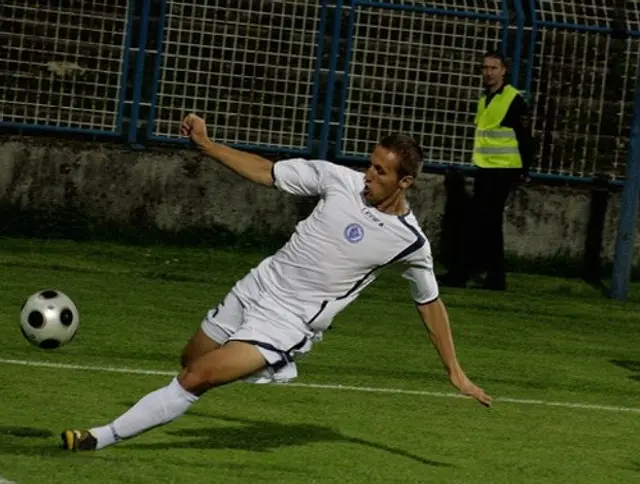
341, 247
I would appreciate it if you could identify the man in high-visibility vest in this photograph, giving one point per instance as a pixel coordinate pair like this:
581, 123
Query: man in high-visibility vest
502, 153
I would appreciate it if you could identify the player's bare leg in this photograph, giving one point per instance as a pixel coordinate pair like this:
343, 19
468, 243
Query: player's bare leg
199, 345
231, 362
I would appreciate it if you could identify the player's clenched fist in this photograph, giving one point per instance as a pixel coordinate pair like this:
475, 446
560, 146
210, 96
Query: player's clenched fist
194, 127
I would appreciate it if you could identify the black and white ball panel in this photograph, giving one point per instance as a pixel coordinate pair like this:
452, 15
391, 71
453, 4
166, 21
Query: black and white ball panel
49, 319
35, 319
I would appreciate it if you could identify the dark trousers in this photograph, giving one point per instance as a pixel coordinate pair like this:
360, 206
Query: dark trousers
483, 245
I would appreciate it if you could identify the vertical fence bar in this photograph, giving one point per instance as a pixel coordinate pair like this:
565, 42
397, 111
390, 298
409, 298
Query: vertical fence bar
125, 68
517, 48
139, 72
333, 62
151, 122
322, 25
345, 83
504, 48
532, 45
623, 257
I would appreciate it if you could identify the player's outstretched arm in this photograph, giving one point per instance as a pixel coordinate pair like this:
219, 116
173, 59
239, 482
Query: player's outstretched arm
250, 166
436, 320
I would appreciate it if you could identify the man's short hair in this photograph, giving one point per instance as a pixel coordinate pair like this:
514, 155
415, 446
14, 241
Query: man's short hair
494, 54
408, 151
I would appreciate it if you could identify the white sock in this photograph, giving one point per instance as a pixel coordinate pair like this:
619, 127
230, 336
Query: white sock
157, 408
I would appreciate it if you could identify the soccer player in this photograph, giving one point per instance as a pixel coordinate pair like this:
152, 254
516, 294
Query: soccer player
361, 224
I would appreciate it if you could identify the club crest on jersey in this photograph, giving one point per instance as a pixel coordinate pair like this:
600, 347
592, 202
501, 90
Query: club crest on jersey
354, 233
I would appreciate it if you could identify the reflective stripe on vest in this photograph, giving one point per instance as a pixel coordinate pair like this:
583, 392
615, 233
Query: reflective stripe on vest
494, 145
496, 134
497, 150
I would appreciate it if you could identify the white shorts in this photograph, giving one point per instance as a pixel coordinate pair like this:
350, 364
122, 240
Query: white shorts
251, 315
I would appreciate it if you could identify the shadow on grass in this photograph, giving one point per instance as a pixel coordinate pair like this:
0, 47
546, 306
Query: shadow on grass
25, 432
40, 443
631, 365
262, 436
34, 442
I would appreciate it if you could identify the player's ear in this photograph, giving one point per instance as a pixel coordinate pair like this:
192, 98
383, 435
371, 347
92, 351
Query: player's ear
406, 181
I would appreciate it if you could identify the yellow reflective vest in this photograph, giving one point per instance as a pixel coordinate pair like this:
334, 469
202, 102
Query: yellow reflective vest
494, 145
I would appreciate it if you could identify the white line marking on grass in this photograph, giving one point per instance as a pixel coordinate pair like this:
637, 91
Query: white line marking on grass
584, 406
108, 369
5, 481
320, 386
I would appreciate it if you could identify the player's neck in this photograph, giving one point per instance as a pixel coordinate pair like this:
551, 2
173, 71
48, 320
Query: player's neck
394, 205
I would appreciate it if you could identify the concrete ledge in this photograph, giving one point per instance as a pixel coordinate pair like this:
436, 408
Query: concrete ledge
83, 189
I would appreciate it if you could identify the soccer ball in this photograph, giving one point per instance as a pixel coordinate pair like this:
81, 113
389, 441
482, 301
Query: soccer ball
49, 319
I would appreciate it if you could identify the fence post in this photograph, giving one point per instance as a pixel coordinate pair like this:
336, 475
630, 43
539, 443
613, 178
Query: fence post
125, 70
151, 121
504, 47
517, 48
139, 74
333, 64
345, 79
315, 91
532, 45
623, 257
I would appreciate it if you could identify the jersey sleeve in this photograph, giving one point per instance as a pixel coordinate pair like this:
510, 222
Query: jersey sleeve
301, 177
422, 280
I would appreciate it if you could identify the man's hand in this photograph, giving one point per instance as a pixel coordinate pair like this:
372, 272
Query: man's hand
194, 127
435, 317
250, 166
467, 387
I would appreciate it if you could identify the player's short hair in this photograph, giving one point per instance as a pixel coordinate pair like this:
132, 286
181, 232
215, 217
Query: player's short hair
408, 151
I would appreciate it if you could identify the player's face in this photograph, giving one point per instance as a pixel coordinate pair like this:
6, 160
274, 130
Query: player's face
493, 72
381, 178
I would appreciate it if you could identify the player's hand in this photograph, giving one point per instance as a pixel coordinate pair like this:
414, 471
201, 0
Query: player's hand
194, 127
467, 387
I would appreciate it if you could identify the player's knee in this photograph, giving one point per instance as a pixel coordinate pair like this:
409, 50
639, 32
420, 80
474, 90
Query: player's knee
195, 380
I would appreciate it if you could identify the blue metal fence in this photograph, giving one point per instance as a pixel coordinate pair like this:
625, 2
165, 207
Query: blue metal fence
415, 47
64, 69
205, 59
324, 78
580, 75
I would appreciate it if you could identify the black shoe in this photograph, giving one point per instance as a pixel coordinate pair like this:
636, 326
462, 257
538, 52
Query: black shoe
451, 280
493, 284
78, 440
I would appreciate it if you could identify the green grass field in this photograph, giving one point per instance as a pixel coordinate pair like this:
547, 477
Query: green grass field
562, 363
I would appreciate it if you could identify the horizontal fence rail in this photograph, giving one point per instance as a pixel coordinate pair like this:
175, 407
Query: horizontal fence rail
329, 77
